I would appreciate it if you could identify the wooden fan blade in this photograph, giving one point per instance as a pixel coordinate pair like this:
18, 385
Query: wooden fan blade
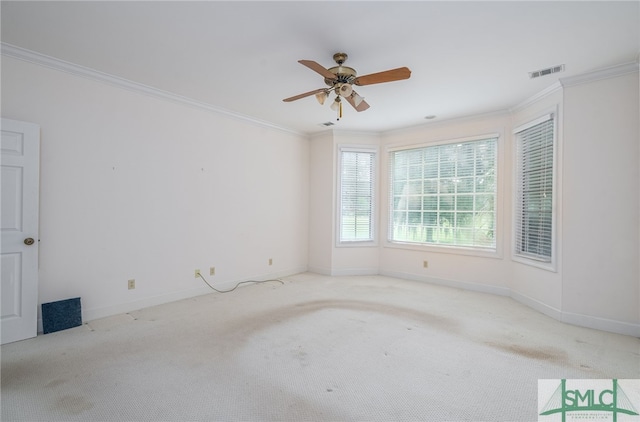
360, 107
306, 94
316, 67
386, 76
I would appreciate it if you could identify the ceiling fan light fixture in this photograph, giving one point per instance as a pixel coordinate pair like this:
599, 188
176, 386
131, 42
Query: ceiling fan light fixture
321, 96
345, 90
336, 104
357, 99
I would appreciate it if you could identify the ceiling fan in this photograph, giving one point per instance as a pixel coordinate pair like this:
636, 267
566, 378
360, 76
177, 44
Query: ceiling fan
341, 79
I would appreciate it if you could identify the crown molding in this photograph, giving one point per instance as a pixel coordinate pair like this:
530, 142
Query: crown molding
606, 73
40, 59
596, 75
557, 86
24, 54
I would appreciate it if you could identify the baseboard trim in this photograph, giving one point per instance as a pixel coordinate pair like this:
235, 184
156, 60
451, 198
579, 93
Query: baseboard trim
532, 303
596, 323
355, 271
587, 321
603, 324
121, 308
320, 270
107, 311
476, 287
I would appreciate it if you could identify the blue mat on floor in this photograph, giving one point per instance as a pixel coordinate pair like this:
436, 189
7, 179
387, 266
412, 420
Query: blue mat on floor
61, 315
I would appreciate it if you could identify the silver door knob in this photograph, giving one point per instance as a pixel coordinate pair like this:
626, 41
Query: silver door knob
29, 241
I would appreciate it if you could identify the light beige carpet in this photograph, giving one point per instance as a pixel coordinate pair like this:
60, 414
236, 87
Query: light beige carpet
314, 348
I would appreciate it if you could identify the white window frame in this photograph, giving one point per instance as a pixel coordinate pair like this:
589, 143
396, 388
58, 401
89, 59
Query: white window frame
441, 248
373, 240
551, 264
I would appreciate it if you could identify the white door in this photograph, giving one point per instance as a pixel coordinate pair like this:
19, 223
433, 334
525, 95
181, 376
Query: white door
20, 154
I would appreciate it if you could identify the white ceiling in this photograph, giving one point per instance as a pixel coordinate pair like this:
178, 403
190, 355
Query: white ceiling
466, 58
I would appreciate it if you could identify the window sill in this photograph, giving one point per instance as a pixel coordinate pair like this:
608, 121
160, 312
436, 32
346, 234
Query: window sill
455, 250
357, 244
547, 266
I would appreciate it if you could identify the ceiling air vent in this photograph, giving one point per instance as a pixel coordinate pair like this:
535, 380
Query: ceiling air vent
327, 124
547, 71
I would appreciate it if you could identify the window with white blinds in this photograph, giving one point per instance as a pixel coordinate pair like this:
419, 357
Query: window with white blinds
444, 195
534, 219
357, 187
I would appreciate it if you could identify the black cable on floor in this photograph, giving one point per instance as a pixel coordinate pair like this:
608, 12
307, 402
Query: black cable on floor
236, 286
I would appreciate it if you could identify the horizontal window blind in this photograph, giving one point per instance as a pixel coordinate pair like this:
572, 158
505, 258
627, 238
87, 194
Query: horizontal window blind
356, 195
444, 194
534, 191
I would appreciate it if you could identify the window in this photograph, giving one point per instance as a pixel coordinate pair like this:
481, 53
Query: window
357, 187
444, 194
533, 217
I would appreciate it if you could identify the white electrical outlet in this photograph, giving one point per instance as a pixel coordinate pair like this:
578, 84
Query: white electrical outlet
212, 271
197, 273
270, 261
131, 284
425, 264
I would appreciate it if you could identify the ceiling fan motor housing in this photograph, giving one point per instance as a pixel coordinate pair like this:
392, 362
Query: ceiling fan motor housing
344, 75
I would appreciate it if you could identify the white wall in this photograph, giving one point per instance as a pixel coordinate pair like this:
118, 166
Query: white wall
596, 278
484, 272
601, 196
325, 256
321, 203
137, 187
540, 288
349, 260
134, 187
